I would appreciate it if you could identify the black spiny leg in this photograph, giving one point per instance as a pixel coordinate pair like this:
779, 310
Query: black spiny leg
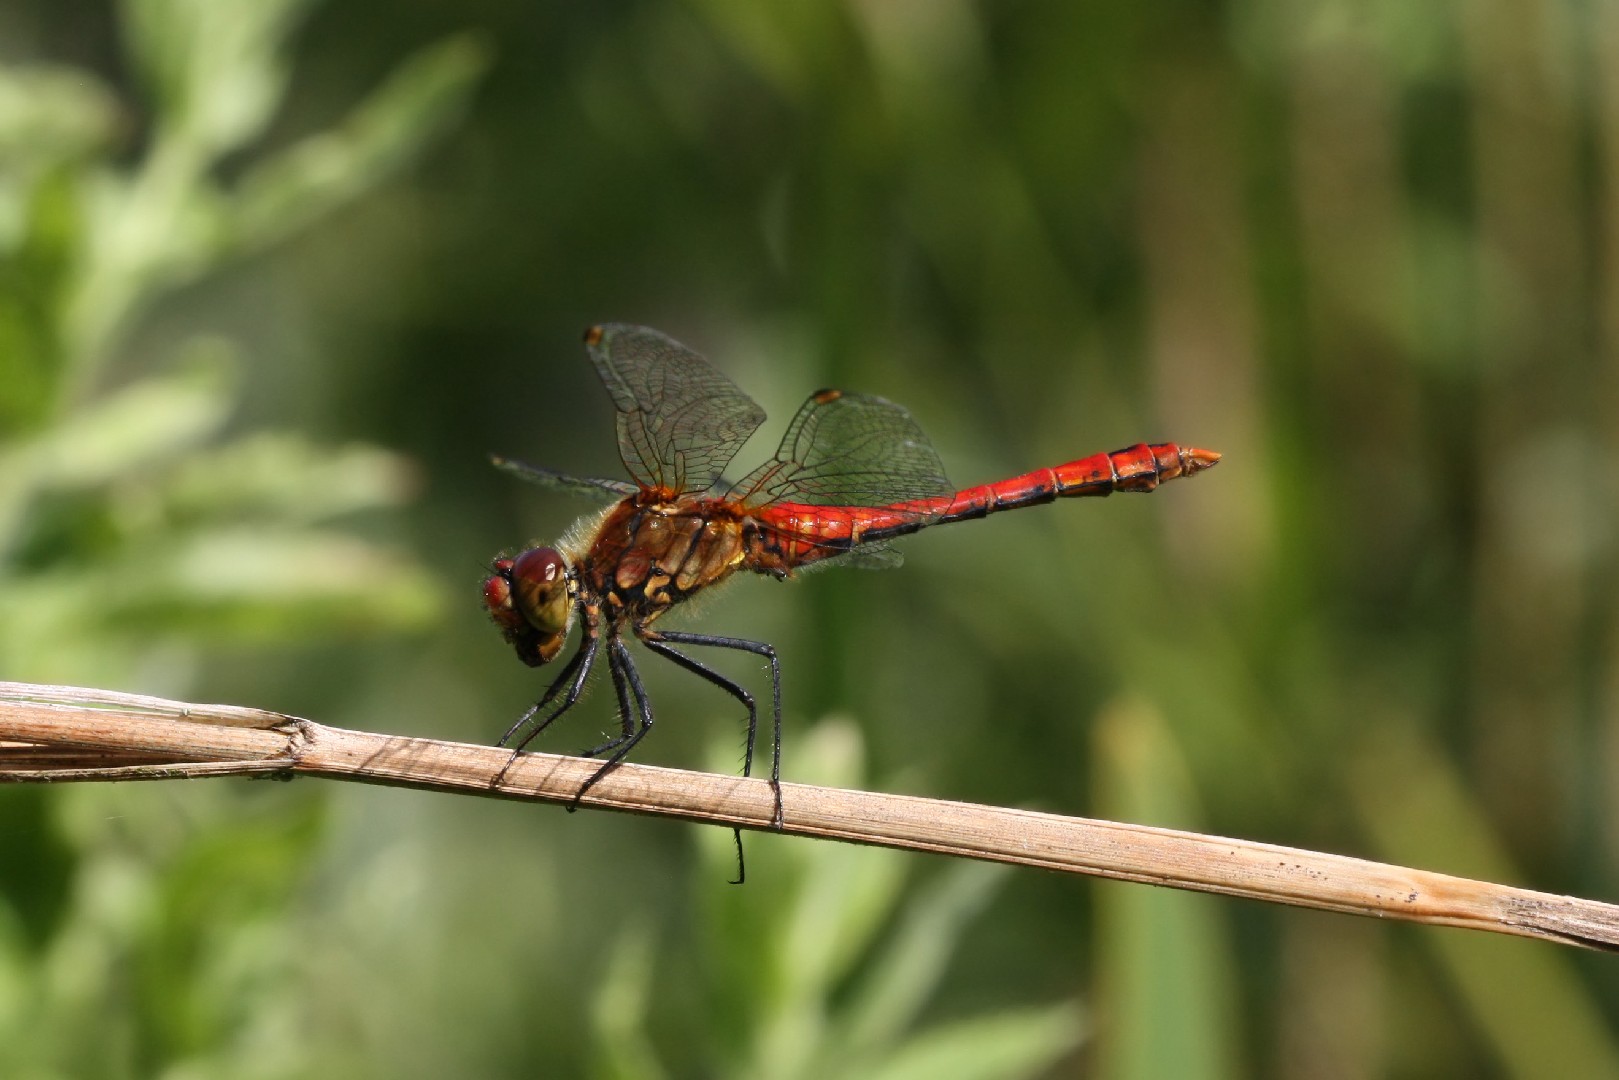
628, 683
578, 670
655, 641
655, 637
626, 711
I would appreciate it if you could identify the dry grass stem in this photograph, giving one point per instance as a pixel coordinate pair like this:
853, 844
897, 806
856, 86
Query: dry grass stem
54, 734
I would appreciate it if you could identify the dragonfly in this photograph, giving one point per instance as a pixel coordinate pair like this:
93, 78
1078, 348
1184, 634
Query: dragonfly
853, 473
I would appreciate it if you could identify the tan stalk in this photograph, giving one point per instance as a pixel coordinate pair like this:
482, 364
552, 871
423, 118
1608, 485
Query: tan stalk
52, 734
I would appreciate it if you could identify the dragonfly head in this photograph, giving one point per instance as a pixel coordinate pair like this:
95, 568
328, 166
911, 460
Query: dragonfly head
531, 600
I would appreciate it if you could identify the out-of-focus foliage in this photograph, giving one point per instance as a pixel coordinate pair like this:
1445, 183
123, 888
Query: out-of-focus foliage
816, 969
139, 525
128, 513
1366, 251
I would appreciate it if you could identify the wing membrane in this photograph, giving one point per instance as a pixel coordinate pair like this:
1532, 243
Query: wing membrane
848, 450
589, 487
680, 421
876, 555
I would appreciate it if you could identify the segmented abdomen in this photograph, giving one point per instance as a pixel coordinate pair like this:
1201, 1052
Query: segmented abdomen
800, 533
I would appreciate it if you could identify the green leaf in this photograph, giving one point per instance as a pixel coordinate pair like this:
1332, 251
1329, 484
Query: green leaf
284, 476
123, 432
1017, 1043
51, 114
910, 968
214, 66
619, 1010
155, 419
840, 894
36, 265
1165, 978
267, 582
418, 101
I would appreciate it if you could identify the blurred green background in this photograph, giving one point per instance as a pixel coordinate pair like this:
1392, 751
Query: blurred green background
275, 276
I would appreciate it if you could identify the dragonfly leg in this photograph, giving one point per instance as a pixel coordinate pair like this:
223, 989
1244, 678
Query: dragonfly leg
628, 682
626, 709
655, 641
573, 675
758, 648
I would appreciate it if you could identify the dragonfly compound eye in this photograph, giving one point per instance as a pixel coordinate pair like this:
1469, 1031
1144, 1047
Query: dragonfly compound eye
539, 584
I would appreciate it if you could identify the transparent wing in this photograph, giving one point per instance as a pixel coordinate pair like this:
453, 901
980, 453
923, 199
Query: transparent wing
590, 487
876, 555
680, 421
848, 450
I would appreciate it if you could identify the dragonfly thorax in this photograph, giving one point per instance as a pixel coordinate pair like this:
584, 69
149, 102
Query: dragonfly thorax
530, 598
646, 558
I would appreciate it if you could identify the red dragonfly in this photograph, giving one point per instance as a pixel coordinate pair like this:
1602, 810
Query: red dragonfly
852, 473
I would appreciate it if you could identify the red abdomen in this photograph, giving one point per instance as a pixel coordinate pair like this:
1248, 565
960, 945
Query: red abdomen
801, 533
